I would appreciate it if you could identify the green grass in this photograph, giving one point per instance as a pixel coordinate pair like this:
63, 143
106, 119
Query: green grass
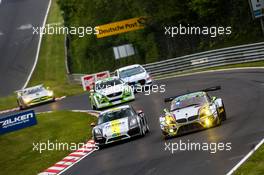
8, 102
51, 69
17, 155
254, 165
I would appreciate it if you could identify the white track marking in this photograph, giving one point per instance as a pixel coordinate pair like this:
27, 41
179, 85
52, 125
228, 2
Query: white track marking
38, 49
245, 158
25, 27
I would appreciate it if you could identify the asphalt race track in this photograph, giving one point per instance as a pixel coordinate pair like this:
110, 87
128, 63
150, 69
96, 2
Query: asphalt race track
243, 95
18, 45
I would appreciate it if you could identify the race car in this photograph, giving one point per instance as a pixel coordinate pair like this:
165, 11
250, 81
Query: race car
191, 112
110, 91
118, 124
33, 96
135, 75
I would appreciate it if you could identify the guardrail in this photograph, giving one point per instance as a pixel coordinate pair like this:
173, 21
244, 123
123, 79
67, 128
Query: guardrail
203, 60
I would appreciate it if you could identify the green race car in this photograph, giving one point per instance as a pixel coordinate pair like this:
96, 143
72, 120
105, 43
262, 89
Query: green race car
109, 92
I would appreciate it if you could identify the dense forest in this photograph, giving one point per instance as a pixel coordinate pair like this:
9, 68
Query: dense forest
90, 54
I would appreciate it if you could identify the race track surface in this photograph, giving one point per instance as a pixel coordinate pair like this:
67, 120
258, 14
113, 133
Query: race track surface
18, 45
243, 95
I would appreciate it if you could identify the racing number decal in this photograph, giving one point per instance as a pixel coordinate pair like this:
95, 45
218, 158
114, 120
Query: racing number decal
115, 128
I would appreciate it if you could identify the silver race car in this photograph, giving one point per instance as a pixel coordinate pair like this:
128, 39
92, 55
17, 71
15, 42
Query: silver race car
34, 95
118, 124
134, 75
191, 112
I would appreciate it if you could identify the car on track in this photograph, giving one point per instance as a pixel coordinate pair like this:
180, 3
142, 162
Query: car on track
118, 124
33, 96
135, 75
109, 92
191, 112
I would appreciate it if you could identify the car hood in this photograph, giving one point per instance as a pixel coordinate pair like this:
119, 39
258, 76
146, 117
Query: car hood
36, 95
112, 90
115, 127
186, 112
136, 77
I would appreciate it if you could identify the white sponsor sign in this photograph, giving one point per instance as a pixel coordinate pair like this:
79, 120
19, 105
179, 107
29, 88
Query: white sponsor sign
88, 81
199, 61
257, 8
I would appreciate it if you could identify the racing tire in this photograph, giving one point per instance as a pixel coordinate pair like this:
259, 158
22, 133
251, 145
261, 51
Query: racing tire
94, 108
223, 114
21, 107
143, 130
148, 130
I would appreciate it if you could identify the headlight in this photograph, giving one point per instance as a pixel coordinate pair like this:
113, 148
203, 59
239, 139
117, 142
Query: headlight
127, 90
205, 112
97, 132
26, 100
169, 120
50, 93
133, 122
101, 99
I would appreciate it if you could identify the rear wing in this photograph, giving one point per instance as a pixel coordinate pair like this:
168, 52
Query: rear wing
214, 88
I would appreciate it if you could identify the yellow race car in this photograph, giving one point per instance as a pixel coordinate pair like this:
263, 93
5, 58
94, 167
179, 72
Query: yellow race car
191, 112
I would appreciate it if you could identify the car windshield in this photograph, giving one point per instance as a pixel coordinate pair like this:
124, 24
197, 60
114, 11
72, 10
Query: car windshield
189, 100
107, 84
131, 72
114, 115
33, 91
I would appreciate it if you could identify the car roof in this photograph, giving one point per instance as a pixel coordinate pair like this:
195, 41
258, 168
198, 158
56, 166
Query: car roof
28, 89
115, 109
129, 67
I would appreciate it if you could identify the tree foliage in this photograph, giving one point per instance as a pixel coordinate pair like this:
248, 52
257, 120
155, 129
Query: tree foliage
89, 54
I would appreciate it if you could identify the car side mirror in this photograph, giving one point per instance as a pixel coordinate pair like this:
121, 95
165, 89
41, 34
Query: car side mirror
92, 124
214, 98
139, 111
166, 110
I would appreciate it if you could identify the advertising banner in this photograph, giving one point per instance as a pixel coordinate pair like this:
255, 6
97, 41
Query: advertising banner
17, 121
121, 27
88, 81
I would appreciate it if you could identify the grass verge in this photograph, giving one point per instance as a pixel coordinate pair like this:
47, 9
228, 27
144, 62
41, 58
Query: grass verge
254, 165
50, 69
17, 155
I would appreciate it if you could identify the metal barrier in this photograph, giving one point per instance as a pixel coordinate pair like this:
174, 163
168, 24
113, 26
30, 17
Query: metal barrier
202, 60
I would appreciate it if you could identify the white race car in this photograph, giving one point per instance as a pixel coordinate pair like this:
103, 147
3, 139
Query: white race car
118, 124
135, 75
34, 95
191, 112
109, 92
